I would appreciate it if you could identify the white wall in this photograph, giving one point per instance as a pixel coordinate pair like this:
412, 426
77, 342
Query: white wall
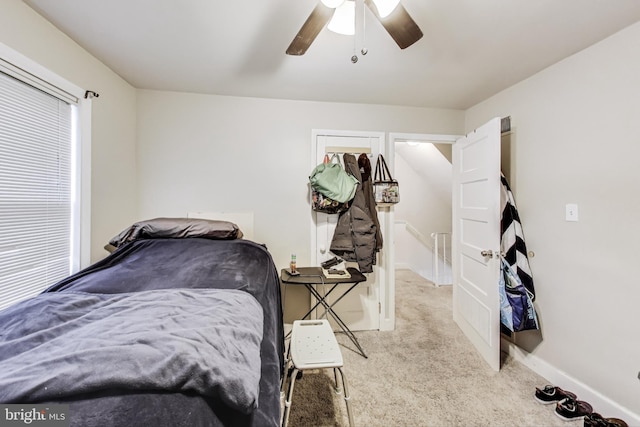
425, 178
411, 252
216, 153
113, 190
575, 140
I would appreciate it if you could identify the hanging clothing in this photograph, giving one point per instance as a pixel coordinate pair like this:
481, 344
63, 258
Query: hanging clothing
517, 312
512, 243
516, 288
355, 236
370, 198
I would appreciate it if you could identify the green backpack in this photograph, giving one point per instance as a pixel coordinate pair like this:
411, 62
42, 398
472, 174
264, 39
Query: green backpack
332, 181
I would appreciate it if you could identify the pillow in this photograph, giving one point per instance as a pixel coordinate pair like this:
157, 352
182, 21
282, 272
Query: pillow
178, 228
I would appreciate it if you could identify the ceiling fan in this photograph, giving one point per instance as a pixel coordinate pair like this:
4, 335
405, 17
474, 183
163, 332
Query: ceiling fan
391, 14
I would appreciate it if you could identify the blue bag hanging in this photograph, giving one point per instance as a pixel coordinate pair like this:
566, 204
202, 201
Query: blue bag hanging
517, 312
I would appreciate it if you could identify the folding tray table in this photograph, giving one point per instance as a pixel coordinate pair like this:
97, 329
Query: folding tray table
311, 276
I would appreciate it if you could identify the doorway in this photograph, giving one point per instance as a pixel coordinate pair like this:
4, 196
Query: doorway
364, 307
423, 219
394, 139
475, 225
470, 152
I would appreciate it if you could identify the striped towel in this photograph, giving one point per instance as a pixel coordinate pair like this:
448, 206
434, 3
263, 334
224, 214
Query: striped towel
512, 243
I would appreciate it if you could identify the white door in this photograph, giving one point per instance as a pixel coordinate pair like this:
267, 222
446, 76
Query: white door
360, 309
476, 238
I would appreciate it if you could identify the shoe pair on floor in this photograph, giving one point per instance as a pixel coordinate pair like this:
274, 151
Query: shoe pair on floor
569, 408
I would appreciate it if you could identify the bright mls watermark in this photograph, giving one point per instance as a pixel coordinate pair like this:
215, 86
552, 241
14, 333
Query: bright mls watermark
34, 415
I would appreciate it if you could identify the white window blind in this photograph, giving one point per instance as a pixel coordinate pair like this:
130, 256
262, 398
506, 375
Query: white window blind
36, 149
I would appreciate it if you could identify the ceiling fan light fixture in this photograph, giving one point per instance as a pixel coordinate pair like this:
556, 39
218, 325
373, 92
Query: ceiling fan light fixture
332, 3
385, 7
344, 19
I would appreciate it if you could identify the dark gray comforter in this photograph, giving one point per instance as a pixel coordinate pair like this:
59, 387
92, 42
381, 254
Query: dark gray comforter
192, 340
194, 263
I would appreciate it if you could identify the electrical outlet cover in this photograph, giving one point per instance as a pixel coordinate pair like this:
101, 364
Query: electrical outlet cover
571, 212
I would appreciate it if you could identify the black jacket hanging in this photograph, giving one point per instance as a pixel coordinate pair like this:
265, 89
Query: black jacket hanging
355, 236
370, 198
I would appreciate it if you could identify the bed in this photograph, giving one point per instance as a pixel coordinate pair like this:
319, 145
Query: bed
181, 325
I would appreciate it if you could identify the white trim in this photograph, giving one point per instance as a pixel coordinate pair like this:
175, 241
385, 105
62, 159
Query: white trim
386, 215
315, 133
36, 82
386, 288
423, 137
388, 236
19, 66
16, 64
346, 133
561, 379
85, 183
417, 234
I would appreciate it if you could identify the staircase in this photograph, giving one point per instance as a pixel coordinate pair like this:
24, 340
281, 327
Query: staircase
430, 257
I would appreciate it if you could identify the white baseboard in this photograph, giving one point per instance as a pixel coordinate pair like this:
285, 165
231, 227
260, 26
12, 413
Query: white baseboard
601, 403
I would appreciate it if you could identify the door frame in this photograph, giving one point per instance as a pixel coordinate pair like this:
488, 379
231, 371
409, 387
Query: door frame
389, 232
386, 306
386, 216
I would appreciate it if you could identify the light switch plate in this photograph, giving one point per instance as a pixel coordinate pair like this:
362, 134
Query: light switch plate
571, 213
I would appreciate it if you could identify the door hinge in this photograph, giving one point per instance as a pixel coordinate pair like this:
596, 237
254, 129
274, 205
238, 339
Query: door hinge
379, 308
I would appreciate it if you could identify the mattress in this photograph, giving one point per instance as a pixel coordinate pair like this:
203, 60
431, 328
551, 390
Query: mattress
157, 266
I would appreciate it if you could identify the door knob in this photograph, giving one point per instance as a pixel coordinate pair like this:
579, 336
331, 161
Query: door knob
487, 253
323, 249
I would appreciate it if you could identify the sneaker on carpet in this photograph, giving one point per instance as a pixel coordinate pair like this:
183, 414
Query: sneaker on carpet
596, 420
570, 409
551, 394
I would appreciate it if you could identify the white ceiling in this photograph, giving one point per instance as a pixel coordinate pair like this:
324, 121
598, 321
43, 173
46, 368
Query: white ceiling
471, 49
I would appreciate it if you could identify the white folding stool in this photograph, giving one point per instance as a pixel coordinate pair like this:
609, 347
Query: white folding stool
314, 346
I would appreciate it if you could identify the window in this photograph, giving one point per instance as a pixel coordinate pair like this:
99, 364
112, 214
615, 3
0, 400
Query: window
40, 169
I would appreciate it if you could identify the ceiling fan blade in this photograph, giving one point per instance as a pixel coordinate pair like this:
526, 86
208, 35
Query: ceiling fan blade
310, 29
399, 24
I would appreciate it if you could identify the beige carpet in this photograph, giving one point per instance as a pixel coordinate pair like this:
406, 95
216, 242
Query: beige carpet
425, 373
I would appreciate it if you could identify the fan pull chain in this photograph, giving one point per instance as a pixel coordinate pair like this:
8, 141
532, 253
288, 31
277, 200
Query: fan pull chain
364, 49
354, 57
